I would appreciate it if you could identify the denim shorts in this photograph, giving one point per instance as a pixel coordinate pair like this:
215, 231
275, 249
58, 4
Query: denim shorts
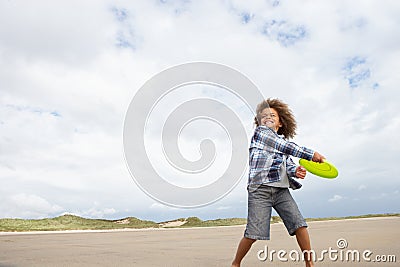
261, 200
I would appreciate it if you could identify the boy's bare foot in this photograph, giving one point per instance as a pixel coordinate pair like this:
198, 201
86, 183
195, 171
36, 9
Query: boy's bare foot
235, 265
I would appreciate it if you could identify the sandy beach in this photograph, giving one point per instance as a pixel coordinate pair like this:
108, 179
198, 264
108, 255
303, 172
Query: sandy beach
373, 239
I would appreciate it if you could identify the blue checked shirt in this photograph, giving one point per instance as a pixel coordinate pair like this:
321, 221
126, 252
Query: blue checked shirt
266, 157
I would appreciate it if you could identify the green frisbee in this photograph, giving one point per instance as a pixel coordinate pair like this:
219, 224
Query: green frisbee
325, 169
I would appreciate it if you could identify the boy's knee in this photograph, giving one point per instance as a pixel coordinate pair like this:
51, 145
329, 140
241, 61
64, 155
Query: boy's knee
250, 240
302, 228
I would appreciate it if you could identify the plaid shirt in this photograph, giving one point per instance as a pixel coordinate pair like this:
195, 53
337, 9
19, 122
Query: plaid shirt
266, 157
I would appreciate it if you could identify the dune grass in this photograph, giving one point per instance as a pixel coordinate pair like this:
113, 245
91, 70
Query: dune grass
72, 222
196, 222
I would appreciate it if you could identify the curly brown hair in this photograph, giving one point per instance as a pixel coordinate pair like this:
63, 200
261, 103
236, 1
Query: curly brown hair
286, 117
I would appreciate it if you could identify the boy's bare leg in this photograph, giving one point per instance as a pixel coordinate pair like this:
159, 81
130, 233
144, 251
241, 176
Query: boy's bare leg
303, 239
243, 247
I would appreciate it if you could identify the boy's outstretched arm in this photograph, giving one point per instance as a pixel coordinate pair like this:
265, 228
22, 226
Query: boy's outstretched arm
265, 138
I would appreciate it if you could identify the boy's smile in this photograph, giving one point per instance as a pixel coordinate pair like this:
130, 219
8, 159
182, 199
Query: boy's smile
270, 118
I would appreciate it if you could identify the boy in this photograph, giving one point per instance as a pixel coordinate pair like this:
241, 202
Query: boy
270, 176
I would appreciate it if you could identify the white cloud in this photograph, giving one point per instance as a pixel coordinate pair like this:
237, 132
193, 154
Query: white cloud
159, 206
46, 31
99, 213
28, 206
335, 198
224, 208
362, 187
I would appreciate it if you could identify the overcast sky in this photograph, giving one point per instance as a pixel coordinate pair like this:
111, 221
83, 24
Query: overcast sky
69, 69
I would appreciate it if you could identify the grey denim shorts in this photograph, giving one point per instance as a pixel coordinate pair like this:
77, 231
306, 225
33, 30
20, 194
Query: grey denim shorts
261, 200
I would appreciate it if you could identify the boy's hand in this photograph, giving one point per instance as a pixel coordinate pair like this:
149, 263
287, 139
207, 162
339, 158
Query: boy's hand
301, 172
318, 157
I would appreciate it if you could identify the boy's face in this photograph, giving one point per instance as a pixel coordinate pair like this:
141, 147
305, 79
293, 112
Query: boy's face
270, 118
